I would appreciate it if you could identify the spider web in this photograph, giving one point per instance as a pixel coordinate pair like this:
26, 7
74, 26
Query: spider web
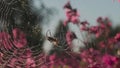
61, 35
5, 13
8, 52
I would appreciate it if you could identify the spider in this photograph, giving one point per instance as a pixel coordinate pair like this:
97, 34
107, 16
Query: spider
53, 40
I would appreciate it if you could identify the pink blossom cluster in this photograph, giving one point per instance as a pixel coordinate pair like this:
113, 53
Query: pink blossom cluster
69, 37
95, 59
72, 15
102, 28
24, 59
62, 60
19, 39
103, 54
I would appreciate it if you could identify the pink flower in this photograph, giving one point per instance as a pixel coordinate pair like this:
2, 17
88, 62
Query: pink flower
71, 14
12, 62
95, 30
108, 22
1, 54
69, 37
102, 44
102, 26
5, 40
111, 41
115, 59
67, 5
27, 53
68, 14
84, 26
19, 38
109, 60
75, 17
30, 63
52, 58
100, 20
65, 22
17, 33
68, 10
84, 23
117, 37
